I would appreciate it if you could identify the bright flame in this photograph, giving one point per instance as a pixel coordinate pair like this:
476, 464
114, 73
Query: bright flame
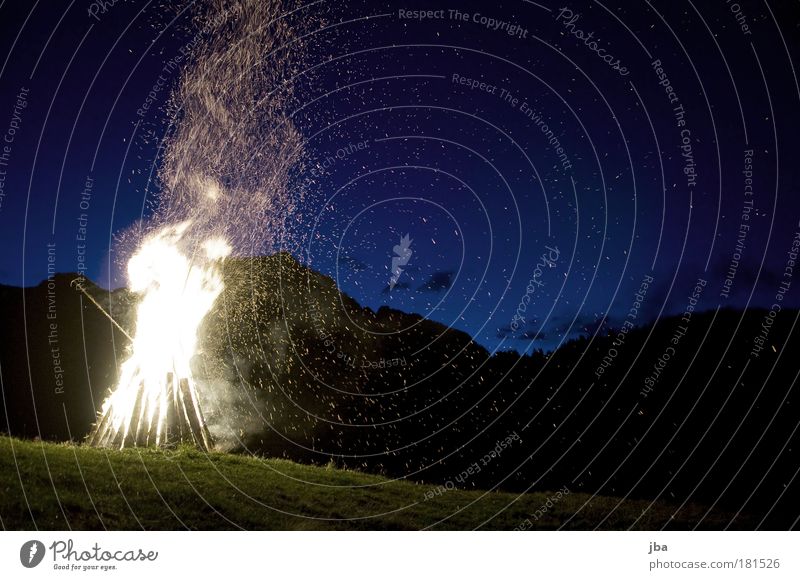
177, 293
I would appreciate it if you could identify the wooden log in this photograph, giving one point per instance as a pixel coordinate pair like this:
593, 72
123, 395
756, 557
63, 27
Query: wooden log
105, 436
160, 417
143, 427
99, 430
117, 440
171, 427
135, 425
191, 414
183, 432
126, 436
208, 441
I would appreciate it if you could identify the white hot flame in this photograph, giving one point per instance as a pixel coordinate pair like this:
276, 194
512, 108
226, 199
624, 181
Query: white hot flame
177, 293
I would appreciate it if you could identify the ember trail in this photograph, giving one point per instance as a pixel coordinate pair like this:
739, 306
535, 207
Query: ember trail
225, 188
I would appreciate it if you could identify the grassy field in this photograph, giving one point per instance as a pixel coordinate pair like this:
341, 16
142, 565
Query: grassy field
59, 486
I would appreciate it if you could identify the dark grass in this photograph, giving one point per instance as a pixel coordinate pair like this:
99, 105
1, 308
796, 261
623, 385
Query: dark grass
50, 486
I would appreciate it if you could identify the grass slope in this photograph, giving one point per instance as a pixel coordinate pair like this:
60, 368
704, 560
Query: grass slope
155, 489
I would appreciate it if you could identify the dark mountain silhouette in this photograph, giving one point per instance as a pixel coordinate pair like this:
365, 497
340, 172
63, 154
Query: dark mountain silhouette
291, 367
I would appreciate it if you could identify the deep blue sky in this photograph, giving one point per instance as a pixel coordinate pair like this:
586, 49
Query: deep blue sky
467, 174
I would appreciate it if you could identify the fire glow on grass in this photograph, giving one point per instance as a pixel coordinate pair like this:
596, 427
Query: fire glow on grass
155, 401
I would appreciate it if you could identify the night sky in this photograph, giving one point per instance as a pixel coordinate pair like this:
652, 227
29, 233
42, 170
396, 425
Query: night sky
546, 161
